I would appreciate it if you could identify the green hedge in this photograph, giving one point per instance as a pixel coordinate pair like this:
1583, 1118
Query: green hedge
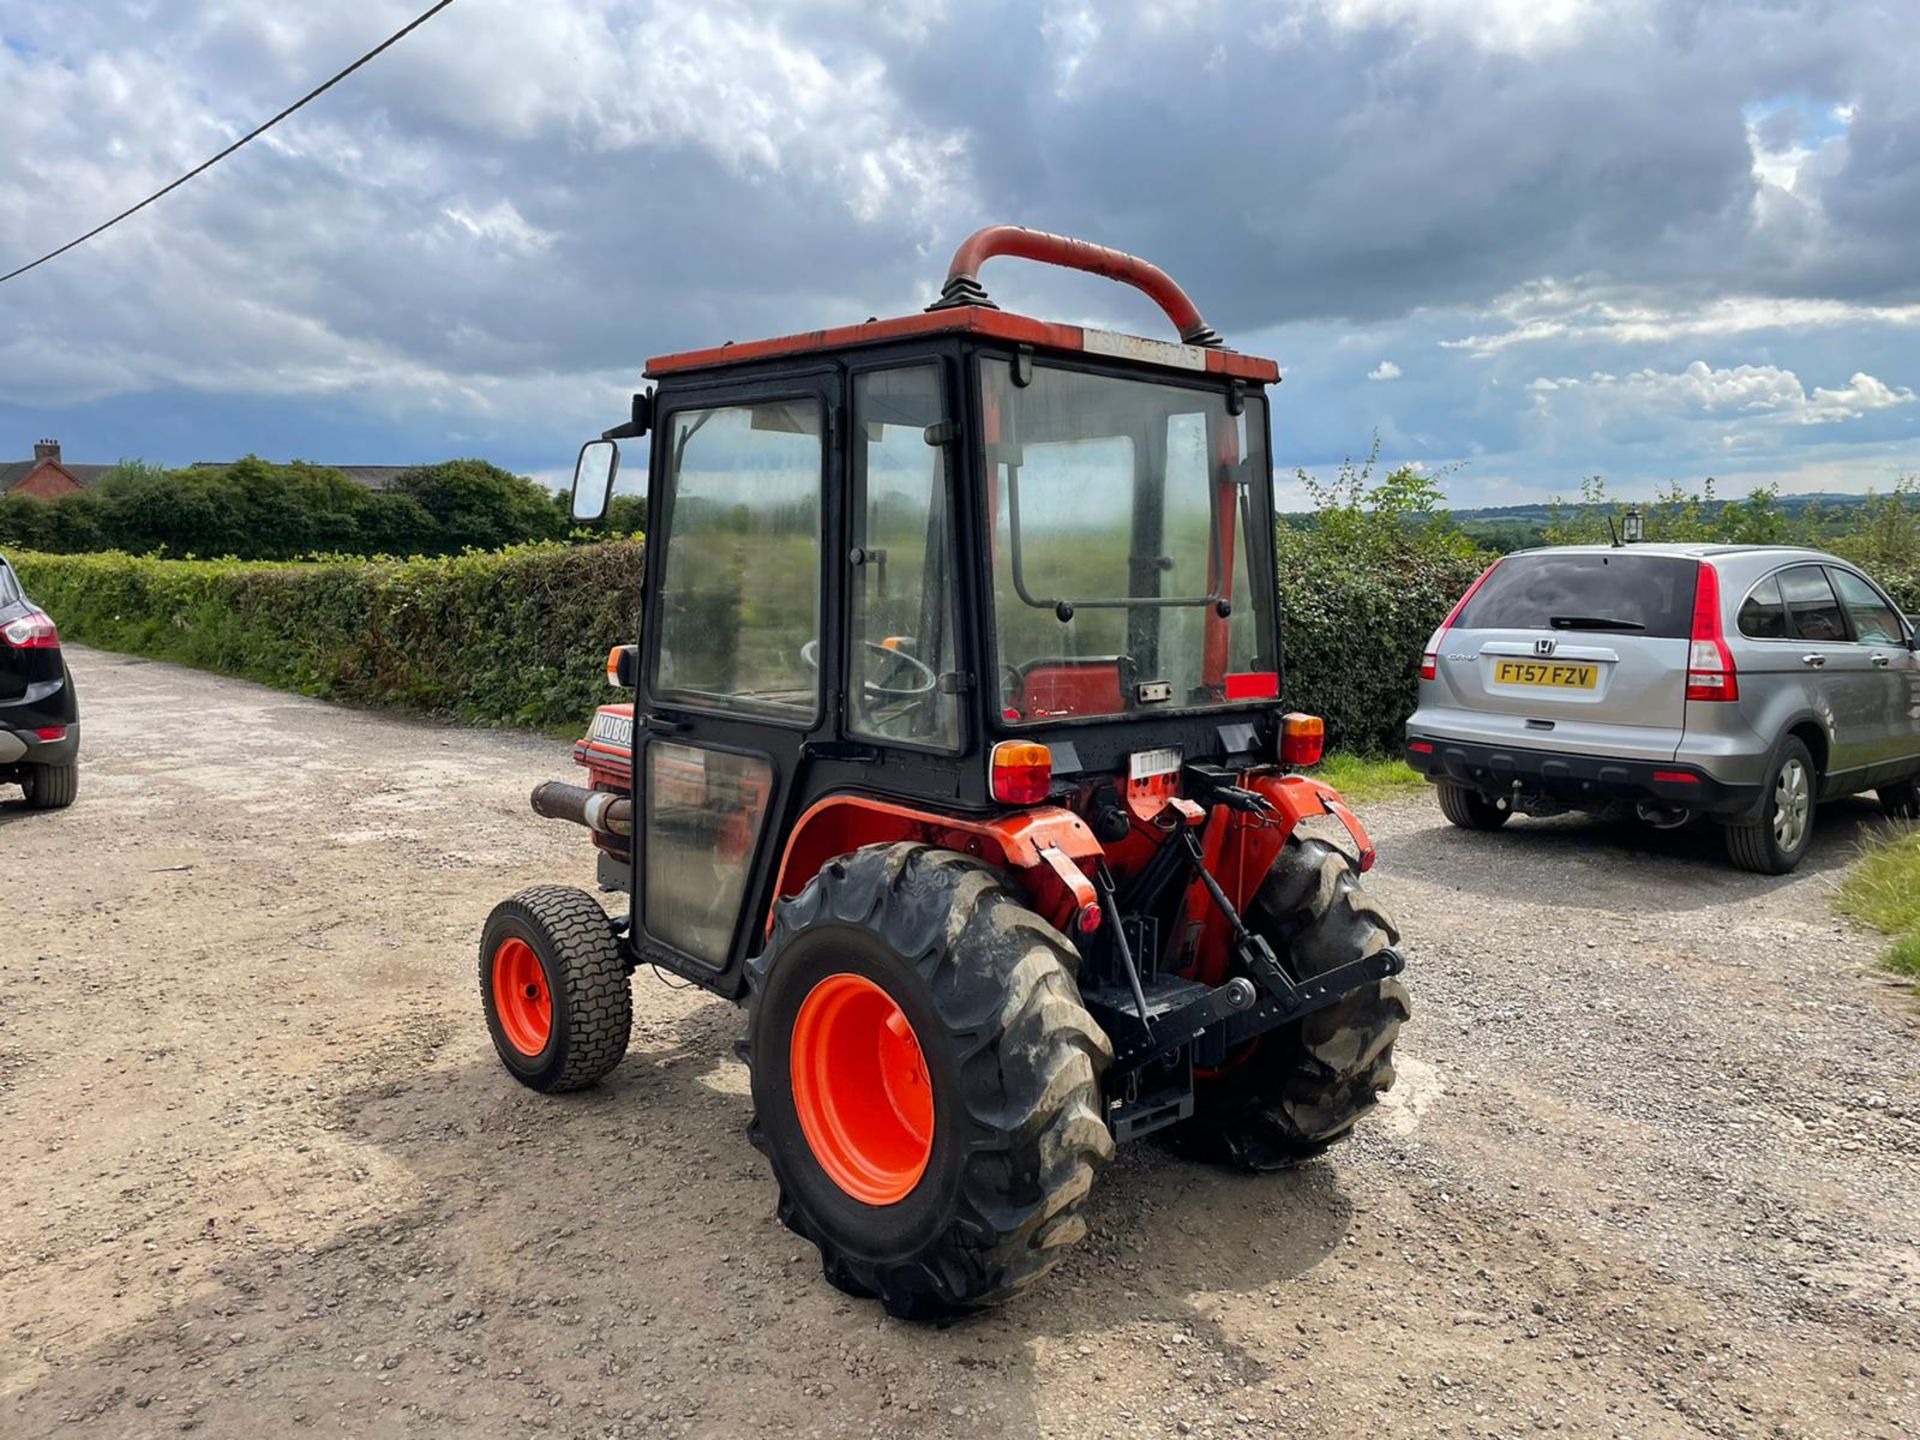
516, 637
512, 637
1354, 621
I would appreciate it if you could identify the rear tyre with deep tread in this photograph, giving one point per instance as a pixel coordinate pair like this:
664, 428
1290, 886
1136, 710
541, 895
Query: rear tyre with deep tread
1470, 810
1012, 1058
50, 787
586, 996
1295, 1091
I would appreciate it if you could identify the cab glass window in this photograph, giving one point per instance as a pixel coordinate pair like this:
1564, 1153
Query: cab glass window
903, 622
1811, 604
1125, 519
704, 809
1763, 615
1874, 622
740, 597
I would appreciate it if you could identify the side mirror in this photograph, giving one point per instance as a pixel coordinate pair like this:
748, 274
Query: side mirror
593, 475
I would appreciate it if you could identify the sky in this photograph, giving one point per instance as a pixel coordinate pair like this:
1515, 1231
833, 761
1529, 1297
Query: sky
1519, 241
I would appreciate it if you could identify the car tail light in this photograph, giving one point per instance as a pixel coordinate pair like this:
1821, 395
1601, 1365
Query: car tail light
1430, 660
1021, 772
31, 632
1303, 739
1675, 777
1710, 673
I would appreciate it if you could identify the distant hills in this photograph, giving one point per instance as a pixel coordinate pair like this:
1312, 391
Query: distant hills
1540, 512
1514, 527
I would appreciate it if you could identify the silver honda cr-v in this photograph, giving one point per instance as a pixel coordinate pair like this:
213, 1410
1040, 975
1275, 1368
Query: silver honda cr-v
1742, 682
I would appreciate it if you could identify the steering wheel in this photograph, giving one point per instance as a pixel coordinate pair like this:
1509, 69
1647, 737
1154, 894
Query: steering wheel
924, 680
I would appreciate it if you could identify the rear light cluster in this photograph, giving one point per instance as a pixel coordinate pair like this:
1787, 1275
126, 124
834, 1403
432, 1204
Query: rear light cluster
1303, 739
1430, 660
1021, 772
1710, 672
31, 632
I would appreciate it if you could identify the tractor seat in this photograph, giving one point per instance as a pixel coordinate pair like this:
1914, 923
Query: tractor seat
1094, 685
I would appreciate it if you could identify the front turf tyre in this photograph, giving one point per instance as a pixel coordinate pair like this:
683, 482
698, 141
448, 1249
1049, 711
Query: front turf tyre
1900, 801
1289, 1094
1470, 810
926, 1080
1776, 843
556, 994
50, 787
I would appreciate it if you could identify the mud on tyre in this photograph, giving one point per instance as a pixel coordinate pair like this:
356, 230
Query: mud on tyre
949, 1184
1291, 1093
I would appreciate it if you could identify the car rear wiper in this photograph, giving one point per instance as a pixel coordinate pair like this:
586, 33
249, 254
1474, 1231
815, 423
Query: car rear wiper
1593, 622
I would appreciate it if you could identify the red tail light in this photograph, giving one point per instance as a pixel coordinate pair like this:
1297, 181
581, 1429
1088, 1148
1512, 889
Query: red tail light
31, 632
1430, 661
1303, 739
1021, 773
1710, 673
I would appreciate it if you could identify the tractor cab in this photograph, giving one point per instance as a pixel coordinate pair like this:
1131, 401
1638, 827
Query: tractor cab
962, 605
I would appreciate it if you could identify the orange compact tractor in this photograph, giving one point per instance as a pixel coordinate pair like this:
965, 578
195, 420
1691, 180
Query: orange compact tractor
956, 755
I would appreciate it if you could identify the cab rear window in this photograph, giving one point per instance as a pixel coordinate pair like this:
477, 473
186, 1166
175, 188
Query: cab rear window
1612, 593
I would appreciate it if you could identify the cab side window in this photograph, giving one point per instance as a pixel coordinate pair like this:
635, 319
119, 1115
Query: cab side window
1811, 603
901, 650
740, 599
1763, 615
1874, 622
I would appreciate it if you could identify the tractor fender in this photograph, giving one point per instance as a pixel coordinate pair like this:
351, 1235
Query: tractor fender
1046, 850
1300, 797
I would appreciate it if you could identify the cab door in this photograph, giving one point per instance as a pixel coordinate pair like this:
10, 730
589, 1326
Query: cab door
731, 693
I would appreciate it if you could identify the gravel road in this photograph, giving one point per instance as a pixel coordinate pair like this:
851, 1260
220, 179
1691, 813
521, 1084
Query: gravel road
1653, 1166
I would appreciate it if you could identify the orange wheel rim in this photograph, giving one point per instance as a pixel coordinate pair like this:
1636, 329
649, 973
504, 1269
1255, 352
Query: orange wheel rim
521, 997
861, 1090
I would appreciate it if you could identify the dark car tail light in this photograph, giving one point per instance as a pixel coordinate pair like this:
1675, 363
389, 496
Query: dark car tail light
31, 632
1430, 660
1710, 672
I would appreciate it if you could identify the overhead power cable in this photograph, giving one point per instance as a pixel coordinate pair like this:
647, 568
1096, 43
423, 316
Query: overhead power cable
254, 134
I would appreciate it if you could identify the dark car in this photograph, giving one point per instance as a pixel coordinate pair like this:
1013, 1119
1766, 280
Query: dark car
39, 715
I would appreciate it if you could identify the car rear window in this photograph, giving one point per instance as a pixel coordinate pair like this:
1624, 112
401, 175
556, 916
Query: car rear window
1614, 592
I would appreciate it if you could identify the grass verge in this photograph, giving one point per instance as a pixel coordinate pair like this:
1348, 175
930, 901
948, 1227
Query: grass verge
1883, 890
1366, 781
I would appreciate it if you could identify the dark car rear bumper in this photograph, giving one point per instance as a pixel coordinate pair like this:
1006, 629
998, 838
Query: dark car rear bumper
27, 747
1580, 781
46, 705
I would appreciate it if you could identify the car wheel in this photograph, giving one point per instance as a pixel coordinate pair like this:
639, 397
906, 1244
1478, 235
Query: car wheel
1470, 810
50, 787
1902, 801
1776, 844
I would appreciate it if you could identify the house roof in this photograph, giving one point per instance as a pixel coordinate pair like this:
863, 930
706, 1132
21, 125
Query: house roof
12, 472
